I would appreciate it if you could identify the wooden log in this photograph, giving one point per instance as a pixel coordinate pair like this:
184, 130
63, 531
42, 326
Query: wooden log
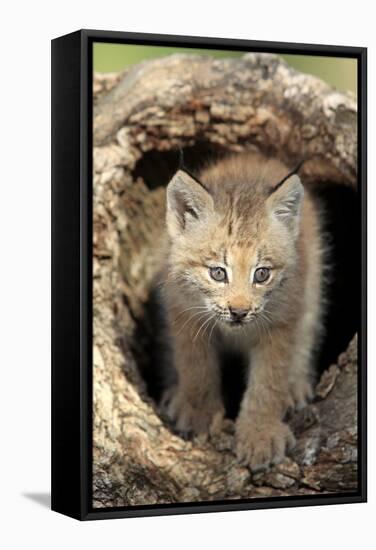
254, 102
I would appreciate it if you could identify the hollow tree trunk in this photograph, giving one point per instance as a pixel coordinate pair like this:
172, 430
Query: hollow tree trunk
255, 102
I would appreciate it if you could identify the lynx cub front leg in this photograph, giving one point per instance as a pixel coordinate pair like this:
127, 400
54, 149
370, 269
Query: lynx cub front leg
262, 438
195, 405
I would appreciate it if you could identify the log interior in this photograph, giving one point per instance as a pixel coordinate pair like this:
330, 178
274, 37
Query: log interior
340, 221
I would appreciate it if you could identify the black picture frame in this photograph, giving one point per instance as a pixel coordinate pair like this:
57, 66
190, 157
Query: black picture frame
72, 272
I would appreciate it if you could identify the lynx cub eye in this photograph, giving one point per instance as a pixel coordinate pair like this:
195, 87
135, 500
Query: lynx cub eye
218, 274
261, 275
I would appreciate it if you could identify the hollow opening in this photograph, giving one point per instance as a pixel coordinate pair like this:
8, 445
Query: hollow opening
342, 234
156, 168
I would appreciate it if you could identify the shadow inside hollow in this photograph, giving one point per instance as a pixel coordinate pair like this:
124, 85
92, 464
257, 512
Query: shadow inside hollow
43, 499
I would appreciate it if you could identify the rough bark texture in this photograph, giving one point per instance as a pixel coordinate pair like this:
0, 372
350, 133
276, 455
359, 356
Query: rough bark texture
232, 105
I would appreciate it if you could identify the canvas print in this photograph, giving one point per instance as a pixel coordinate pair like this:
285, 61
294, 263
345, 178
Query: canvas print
226, 275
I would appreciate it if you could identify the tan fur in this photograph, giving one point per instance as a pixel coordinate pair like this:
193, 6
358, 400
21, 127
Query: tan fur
235, 220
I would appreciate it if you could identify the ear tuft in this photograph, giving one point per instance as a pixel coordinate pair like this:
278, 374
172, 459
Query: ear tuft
285, 201
187, 202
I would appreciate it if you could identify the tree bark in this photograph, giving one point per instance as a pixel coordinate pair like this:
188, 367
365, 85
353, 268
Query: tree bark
255, 102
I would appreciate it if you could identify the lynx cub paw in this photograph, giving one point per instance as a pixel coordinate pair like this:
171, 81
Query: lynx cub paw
262, 442
193, 418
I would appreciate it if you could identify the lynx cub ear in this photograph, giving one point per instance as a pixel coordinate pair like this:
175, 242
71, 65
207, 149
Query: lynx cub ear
187, 203
285, 202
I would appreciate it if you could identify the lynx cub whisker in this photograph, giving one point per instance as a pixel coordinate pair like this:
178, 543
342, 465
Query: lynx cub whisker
244, 270
202, 326
201, 308
200, 314
213, 327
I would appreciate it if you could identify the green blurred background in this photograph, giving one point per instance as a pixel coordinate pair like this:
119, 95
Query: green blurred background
338, 72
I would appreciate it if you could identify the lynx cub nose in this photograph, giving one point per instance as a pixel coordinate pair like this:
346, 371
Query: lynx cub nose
238, 314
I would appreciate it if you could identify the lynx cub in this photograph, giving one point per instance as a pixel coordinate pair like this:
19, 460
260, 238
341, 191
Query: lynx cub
244, 271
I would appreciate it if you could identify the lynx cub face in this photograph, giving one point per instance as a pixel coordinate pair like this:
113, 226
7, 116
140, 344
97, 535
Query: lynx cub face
244, 267
233, 251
